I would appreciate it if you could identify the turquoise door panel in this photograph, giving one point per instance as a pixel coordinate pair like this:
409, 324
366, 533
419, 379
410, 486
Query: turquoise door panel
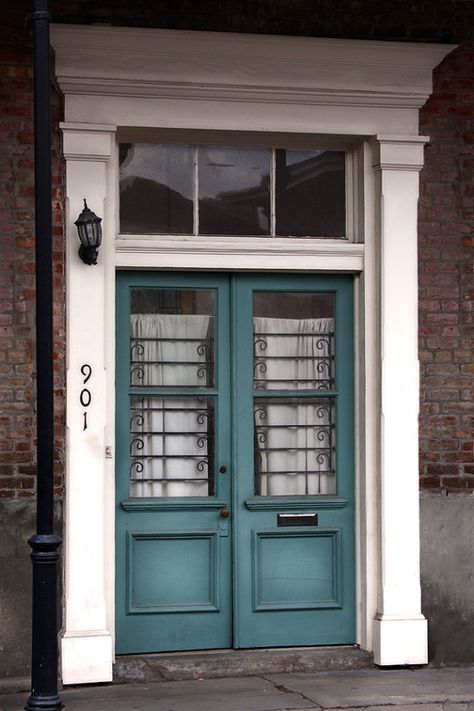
172, 572
187, 577
296, 570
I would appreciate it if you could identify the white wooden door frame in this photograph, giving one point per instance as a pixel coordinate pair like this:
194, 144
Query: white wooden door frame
365, 93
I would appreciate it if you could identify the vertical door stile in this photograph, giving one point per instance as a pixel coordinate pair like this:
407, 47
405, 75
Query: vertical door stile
234, 414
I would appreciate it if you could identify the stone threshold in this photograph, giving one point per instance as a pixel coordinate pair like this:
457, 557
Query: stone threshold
215, 664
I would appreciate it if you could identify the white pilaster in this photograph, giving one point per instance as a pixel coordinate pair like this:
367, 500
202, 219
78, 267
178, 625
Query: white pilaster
400, 630
86, 645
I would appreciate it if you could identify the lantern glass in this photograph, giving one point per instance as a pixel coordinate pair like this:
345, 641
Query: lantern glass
90, 234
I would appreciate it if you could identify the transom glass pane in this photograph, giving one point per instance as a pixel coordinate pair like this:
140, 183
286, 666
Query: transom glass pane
172, 338
156, 189
310, 193
234, 190
171, 446
294, 446
293, 341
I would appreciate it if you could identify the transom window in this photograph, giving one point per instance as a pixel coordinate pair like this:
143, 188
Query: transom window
217, 190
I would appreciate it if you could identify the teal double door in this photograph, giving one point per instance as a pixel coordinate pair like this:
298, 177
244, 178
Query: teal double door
235, 484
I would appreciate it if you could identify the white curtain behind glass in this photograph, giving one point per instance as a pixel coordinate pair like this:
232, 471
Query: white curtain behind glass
289, 426
294, 438
171, 351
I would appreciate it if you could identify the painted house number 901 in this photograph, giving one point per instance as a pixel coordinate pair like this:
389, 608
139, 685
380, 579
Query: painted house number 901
85, 397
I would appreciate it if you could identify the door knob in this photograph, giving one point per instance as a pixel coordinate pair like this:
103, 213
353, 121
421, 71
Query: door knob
225, 512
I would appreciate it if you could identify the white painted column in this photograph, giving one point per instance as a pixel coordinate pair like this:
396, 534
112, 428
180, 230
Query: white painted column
400, 630
86, 645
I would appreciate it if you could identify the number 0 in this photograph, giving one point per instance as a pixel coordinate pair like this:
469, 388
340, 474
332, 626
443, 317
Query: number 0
85, 397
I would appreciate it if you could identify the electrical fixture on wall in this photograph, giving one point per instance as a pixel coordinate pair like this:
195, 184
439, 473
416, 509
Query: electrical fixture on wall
90, 234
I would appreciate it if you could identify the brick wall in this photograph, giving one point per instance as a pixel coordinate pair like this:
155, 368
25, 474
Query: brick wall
446, 228
17, 270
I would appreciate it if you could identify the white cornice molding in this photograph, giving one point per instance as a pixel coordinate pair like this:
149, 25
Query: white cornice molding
135, 62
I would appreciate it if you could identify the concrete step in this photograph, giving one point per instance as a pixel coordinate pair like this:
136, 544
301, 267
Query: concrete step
215, 664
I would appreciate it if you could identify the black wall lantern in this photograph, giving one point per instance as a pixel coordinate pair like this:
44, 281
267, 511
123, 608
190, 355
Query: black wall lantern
90, 234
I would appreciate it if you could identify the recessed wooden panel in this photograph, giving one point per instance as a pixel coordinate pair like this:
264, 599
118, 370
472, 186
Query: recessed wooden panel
296, 569
172, 572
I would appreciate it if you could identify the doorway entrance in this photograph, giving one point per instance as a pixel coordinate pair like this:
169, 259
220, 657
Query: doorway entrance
235, 504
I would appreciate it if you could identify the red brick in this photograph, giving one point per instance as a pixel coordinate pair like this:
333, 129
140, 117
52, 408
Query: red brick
458, 482
446, 189
442, 469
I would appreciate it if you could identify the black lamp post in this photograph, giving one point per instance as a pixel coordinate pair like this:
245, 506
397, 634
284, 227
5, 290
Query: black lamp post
44, 544
90, 234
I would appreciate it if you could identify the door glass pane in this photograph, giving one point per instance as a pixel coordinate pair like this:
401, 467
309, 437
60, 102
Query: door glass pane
156, 189
171, 446
172, 338
294, 446
172, 435
310, 193
234, 190
293, 341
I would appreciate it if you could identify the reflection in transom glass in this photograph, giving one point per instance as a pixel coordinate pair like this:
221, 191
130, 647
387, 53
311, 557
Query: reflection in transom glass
294, 446
172, 338
293, 341
171, 446
156, 189
234, 190
310, 197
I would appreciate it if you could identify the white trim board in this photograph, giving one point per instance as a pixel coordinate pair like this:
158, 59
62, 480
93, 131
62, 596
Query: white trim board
238, 255
365, 93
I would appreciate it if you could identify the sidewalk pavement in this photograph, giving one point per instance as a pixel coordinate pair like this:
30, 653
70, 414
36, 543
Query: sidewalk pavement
427, 689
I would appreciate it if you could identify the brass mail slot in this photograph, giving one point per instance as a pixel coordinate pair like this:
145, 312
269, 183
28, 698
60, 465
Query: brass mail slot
299, 519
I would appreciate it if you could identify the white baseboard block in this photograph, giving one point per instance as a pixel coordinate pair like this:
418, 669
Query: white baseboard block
400, 640
86, 658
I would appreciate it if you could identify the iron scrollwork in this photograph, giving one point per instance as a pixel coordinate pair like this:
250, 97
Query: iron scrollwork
285, 446
146, 365
320, 361
151, 441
